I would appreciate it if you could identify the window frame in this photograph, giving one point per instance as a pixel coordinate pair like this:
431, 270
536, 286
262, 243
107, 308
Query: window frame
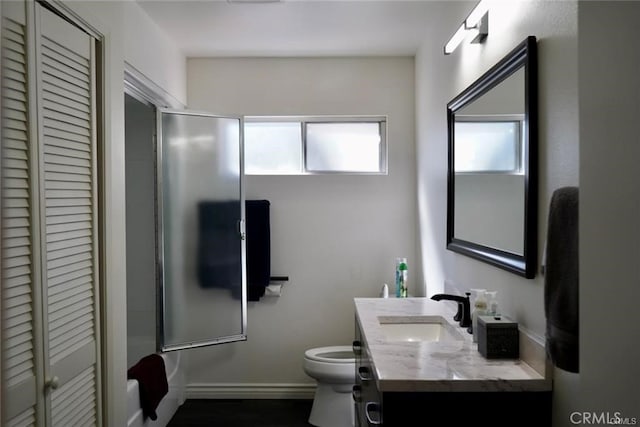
380, 120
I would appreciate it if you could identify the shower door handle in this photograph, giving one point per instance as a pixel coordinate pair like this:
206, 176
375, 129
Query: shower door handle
241, 229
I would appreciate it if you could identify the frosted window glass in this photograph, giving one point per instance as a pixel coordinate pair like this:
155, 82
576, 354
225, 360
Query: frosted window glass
343, 147
487, 147
272, 148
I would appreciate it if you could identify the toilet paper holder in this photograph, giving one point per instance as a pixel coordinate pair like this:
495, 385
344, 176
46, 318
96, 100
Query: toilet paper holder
275, 289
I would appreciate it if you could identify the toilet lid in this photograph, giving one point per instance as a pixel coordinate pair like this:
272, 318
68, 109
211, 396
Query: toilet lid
334, 354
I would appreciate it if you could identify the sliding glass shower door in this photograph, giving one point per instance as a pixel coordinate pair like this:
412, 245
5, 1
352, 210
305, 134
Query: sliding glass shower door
201, 248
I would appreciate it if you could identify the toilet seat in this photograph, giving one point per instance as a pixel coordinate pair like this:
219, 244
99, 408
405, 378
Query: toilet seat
341, 354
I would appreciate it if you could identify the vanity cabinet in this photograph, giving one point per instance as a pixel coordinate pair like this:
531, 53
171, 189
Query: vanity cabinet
366, 396
376, 407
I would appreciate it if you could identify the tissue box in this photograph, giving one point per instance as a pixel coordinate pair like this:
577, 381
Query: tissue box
498, 337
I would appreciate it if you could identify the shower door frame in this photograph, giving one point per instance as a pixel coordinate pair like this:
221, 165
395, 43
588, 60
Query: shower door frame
160, 262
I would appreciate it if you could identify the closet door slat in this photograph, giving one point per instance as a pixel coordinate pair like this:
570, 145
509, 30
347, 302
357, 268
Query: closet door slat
25, 419
63, 136
75, 402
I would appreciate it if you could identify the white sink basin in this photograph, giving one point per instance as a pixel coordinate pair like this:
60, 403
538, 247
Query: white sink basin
417, 328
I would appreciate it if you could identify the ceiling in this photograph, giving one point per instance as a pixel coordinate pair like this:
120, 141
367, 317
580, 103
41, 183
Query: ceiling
305, 27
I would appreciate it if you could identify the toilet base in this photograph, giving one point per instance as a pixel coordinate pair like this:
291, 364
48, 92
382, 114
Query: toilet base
332, 406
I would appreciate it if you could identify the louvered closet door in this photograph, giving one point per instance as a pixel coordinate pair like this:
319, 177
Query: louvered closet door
19, 281
66, 99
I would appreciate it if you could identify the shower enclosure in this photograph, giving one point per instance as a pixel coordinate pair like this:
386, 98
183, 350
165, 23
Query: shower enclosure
185, 229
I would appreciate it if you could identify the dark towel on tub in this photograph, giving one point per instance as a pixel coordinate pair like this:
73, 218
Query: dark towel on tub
561, 280
152, 383
258, 248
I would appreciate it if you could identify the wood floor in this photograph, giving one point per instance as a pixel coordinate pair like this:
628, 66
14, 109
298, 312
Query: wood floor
242, 413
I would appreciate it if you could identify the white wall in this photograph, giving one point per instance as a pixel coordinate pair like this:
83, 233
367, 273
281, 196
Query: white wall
335, 236
150, 50
439, 78
119, 22
609, 84
141, 232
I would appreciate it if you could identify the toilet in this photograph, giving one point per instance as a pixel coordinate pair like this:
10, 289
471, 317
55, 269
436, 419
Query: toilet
333, 368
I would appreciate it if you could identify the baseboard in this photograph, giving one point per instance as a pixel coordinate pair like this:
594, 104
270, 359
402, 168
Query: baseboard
250, 391
533, 352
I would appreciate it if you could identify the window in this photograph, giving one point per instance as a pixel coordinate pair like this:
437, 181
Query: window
488, 146
312, 145
272, 147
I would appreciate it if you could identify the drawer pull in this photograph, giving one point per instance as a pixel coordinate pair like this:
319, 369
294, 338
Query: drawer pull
356, 393
373, 408
364, 374
357, 347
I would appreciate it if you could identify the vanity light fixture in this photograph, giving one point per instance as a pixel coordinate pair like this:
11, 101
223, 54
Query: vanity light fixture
480, 30
455, 40
477, 13
476, 25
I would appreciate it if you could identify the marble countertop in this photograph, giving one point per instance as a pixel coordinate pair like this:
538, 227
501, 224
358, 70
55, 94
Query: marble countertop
452, 365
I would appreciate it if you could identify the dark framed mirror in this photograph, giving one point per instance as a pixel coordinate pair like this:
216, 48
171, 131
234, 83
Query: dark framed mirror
492, 173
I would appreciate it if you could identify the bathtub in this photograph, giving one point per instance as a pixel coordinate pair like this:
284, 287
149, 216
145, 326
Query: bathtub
169, 404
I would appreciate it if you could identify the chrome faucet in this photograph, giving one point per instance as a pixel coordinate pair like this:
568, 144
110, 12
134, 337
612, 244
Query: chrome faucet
464, 307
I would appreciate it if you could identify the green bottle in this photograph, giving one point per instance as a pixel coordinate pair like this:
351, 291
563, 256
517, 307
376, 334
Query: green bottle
402, 278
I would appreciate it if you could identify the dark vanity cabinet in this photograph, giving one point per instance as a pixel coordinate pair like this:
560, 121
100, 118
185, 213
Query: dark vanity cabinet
374, 407
366, 397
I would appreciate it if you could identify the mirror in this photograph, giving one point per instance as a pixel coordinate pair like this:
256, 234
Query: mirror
492, 174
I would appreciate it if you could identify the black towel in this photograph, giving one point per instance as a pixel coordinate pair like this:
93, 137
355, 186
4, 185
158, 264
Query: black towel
152, 383
258, 248
561, 280
219, 259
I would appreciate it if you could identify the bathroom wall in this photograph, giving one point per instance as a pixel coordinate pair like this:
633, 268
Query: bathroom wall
129, 33
335, 236
439, 78
141, 232
152, 52
609, 83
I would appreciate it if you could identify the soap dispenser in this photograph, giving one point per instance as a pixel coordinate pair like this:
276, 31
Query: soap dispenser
384, 292
492, 303
479, 309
